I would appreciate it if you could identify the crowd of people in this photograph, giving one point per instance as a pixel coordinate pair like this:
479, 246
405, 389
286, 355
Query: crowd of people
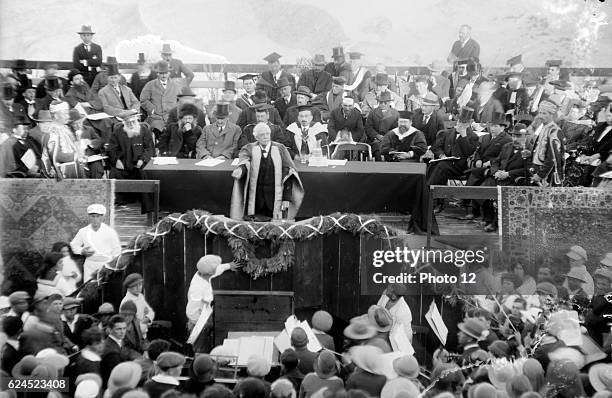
508, 129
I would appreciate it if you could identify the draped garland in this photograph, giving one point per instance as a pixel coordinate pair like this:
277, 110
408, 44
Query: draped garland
243, 236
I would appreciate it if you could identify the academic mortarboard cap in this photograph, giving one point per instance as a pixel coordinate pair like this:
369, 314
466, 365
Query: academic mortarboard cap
515, 74
141, 59
248, 76
355, 55
261, 83
337, 52
515, 60
405, 115
462, 61
272, 58
230, 86
553, 62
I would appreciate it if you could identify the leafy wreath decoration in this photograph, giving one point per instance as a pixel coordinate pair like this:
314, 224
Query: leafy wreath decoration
241, 236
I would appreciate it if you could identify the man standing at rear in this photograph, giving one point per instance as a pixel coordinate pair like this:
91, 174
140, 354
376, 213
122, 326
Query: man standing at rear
87, 56
465, 47
177, 67
274, 74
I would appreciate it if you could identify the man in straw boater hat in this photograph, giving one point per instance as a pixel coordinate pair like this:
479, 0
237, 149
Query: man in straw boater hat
158, 97
316, 79
98, 242
200, 298
87, 56
116, 97
177, 67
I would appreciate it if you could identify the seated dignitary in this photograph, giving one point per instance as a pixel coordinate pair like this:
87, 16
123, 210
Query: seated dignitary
346, 119
316, 79
303, 95
186, 96
278, 134
130, 149
381, 83
20, 156
266, 183
285, 98
179, 139
379, 122
247, 116
116, 97
329, 100
453, 146
218, 140
307, 133
403, 143
158, 97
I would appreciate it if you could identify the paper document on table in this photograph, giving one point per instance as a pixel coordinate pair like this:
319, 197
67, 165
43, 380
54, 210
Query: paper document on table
95, 158
607, 174
164, 160
98, 116
446, 158
336, 162
434, 318
29, 159
210, 162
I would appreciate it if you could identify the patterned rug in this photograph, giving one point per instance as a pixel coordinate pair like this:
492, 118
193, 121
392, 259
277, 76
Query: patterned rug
35, 213
539, 224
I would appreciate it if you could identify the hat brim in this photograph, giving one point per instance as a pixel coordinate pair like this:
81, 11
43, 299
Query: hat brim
86, 33
594, 378
462, 327
350, 332
575, 278
372, 320
136, 375
573, 255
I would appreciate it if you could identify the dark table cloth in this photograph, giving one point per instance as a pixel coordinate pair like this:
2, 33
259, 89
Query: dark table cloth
357, 187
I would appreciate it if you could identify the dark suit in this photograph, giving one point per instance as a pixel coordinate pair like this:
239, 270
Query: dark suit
521, 100
291, 115
434, 125
175, 141
353, 123
41, 91
137, 84
272, 89
450, 143
414, 142
316, 81
379, 123
112, 355
173, 117
278, 135
604, 145
282, 106
488, 149
471, 49
178, 68
247, 116
93, 58
9, 357
485, 114
343, 70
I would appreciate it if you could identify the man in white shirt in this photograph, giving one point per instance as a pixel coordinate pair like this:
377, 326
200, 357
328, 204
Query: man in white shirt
97, 241
200, 298
393, 300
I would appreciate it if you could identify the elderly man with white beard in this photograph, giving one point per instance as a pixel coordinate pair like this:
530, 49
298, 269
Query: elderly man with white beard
130, 149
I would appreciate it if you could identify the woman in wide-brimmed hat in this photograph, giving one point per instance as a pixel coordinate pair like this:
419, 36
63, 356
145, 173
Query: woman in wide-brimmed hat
367, 375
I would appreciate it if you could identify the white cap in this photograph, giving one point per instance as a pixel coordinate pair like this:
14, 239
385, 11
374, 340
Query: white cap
577, 253
607, 260
96, 208
348, 101
87, 389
